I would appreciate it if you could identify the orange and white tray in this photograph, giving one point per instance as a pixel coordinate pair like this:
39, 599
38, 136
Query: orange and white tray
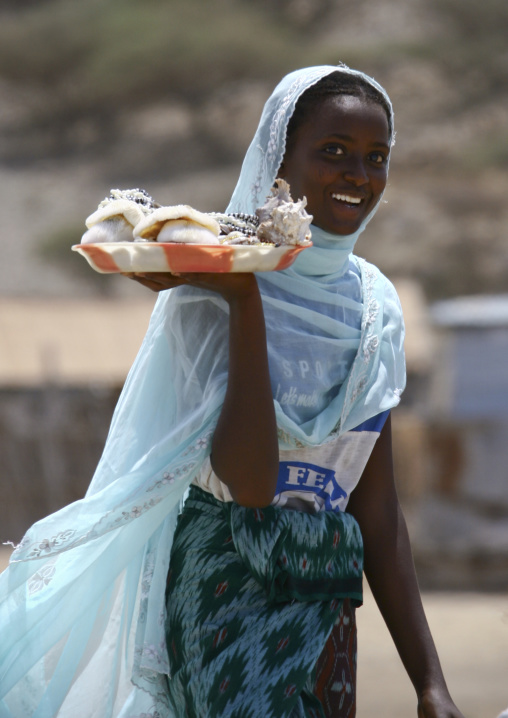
114, 257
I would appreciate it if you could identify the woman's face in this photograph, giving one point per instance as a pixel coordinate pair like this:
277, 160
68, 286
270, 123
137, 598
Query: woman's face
338, 159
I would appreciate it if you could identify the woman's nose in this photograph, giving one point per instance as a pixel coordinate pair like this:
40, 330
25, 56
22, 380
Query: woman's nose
356, 172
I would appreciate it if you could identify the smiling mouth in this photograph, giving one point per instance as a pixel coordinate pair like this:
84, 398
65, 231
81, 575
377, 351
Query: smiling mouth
347, 199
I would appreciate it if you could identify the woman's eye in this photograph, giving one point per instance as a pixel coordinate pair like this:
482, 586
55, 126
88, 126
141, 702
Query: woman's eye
334, 150
378, 157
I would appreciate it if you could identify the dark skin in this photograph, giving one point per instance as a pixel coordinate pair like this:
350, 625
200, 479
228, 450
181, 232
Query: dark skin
339, 162
391, 575
341, 153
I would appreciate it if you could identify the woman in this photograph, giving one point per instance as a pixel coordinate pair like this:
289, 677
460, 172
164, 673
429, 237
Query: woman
260, 390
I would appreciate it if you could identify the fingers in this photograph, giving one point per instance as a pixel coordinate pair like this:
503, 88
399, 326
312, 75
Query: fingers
230, 285
156, 281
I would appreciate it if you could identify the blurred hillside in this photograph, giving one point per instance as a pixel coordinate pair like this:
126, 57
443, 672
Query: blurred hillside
166, 95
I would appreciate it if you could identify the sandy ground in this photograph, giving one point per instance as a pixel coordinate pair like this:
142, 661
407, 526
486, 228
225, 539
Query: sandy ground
471, 632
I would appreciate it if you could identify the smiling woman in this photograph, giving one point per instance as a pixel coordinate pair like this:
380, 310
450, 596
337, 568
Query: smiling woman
268, 396
338, 159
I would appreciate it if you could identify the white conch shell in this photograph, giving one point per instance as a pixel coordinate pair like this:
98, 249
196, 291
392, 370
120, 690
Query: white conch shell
179, 223
113, 229
282, 221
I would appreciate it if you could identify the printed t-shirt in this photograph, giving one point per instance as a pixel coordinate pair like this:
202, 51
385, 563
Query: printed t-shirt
314, 478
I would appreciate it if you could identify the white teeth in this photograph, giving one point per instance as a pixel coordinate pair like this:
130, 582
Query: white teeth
347, 198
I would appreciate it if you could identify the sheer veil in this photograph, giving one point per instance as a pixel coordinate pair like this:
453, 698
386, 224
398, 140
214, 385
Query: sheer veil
83, 601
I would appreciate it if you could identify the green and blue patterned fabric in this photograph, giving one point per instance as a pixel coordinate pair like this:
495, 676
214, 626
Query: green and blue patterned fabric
254, 595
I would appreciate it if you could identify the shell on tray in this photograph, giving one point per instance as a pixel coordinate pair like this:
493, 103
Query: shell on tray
282, 221
112, 229
131, 211
239, 238
179, 223
117, 215
185, 231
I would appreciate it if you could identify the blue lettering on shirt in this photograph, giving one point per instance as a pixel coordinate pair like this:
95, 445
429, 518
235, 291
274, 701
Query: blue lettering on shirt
299, 476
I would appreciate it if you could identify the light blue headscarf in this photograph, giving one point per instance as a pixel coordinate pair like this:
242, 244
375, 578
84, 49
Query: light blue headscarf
83, 603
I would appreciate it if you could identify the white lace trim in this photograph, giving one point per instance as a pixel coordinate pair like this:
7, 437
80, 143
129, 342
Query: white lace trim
269, 161
369, 340
65, 540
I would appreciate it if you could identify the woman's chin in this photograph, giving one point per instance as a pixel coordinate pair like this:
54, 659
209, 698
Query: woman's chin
341, 229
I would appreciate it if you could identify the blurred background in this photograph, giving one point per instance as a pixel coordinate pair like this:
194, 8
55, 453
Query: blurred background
165, 95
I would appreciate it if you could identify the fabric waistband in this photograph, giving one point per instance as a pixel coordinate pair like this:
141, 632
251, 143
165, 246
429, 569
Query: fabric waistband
292, 554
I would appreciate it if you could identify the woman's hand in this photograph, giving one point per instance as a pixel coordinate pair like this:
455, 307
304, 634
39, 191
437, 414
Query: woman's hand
437, 703
230, 285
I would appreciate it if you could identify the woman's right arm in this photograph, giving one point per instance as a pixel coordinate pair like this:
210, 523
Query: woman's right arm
245, 454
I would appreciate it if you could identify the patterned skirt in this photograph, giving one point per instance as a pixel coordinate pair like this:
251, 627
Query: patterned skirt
260, 612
